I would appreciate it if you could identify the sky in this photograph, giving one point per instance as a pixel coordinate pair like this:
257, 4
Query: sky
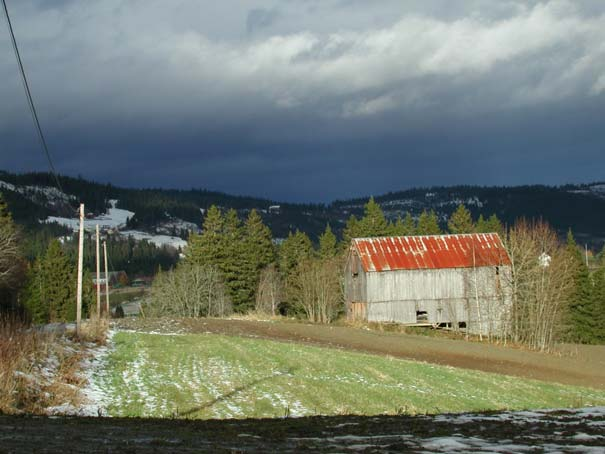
308, 100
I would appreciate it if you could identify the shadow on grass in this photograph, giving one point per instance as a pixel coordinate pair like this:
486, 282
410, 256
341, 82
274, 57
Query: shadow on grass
235, 391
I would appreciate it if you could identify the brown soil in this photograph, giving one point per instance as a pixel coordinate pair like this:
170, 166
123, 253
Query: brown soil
581, 365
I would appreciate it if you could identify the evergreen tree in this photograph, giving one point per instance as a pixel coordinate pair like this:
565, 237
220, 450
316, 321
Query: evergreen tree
428, 224
207, 248
373, 222
409, 225
233, 266
89, 295
327, 244
296, 248
461, 221
482, 225
495, 225
598, 304
582, 314
404, 227
37, 310
352, 230
257, 253
51, 293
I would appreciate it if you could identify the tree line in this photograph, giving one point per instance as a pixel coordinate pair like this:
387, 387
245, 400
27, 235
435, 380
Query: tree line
554, 296
234, 265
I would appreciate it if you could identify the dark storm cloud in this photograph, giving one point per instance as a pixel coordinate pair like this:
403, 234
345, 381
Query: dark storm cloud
309, 100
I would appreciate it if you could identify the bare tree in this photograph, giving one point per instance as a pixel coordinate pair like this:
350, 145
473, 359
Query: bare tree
270, 291
316, 288
189, 291
10, 259
541, 282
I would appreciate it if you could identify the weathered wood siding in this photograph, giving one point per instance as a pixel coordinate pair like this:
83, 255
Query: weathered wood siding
355, 286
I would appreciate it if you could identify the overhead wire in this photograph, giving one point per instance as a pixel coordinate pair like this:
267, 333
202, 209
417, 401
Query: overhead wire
30, 100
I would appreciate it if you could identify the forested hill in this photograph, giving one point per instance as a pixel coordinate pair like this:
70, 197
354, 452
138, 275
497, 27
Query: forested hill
31, 197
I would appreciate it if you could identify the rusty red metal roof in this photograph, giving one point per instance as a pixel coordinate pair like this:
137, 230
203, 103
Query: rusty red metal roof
430, 252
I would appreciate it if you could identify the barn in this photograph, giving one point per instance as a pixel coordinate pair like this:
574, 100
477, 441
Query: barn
459, 281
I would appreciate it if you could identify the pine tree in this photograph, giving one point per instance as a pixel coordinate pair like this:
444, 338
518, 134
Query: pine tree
327, 244
482, 225
89, 295
295, 249
373, 222
232, 264
404, 227
352, 230
409, 225
257, 253
50, 295
598, 303
207, 248
259, 239
31, 296
582, 315
495, 225
59, 284
461, 221
428, 224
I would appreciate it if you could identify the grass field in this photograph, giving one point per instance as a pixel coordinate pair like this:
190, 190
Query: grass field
218, 376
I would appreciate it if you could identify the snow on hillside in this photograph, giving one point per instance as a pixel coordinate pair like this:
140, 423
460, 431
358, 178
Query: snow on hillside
158, 240
115, 218
44, 195
175, 225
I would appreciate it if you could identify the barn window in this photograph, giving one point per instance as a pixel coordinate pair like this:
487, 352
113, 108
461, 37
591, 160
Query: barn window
497, 271
422, 316
355, 275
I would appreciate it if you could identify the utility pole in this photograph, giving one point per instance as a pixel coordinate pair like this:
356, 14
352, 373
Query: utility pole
80, 266
98, 277
106, 280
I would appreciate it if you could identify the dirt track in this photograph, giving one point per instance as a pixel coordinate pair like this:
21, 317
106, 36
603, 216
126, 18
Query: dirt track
582, 366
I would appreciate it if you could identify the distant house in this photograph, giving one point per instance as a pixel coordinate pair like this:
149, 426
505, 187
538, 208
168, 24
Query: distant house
274, 209
116, 278
440, 280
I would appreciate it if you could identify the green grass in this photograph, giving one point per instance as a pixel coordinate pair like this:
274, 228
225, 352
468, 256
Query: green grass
216, 376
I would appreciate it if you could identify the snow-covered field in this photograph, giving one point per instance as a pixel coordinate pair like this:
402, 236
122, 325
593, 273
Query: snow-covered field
215, 376
207, 380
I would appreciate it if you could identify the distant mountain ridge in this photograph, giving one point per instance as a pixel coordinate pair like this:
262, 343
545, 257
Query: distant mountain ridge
32, 197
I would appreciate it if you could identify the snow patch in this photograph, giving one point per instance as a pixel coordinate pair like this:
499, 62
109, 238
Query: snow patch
115, 218
158, 240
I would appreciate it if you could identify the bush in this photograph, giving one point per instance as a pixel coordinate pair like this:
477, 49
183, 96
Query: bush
189, 291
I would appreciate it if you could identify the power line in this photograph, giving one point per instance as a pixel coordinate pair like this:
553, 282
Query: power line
30, 100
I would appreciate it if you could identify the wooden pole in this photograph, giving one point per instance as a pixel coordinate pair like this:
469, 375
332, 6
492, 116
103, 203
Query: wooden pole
80, 266
98, 277
106, 280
